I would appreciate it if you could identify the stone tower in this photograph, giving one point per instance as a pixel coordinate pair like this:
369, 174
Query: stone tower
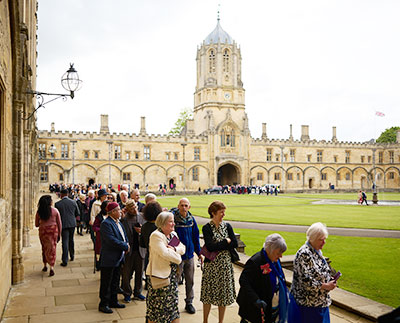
219, 86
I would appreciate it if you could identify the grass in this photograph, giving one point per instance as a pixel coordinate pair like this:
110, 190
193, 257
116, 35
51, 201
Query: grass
382, 196
293, 210
368, 265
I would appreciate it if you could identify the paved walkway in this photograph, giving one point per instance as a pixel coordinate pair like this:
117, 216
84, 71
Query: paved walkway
72, 294
371, 233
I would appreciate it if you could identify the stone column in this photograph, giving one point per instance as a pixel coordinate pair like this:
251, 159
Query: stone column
17, 191
291, 133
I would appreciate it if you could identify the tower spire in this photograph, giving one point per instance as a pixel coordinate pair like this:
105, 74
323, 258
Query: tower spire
219, 6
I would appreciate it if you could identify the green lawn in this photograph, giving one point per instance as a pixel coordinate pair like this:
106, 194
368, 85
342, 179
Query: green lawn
283, 209
368, 265
382, 196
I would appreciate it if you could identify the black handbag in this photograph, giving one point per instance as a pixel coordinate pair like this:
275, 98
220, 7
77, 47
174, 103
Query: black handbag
234, 255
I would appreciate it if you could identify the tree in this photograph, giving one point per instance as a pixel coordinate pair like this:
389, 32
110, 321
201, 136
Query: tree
389, 135
184, 115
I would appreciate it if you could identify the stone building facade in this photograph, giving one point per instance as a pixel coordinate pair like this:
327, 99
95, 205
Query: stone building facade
216, 147
18, 137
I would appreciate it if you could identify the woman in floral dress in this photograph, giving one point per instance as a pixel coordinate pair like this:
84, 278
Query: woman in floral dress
162, 301
217, 283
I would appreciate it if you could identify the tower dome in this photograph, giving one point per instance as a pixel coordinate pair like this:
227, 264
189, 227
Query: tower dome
218, 35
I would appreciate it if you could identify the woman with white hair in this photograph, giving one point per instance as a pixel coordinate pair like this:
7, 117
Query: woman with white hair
312, 280
263, 296
164, 257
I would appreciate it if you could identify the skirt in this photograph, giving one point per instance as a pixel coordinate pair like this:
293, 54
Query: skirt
48, 238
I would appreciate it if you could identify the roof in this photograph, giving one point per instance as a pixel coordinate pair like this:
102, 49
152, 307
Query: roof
218, 35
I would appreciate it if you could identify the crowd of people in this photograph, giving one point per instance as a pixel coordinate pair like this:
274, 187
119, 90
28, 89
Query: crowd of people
156, 247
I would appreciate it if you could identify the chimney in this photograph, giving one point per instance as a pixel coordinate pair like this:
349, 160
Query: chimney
52, 127
104, 123
304, 133
398, 136
291, 133
189, 126
143, 126
334, 134
264, 131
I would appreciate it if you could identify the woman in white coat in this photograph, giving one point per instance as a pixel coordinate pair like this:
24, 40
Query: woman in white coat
165, 252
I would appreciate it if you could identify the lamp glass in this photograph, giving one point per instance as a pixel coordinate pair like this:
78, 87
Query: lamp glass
70, 80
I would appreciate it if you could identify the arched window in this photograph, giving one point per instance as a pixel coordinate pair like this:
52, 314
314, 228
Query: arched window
226, 61
211, 62
227, 137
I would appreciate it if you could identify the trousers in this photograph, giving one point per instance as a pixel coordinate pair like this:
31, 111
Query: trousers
67, 242
187, 268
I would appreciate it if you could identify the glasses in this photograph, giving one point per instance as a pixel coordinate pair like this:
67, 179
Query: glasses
110, 198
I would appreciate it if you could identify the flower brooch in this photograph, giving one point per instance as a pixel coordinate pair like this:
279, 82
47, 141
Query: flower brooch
265, 269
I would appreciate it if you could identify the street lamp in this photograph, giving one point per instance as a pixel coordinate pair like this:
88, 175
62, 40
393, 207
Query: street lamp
374, 190
52, 151
283, 173
70, 81
109, 161
184, 169
73, 142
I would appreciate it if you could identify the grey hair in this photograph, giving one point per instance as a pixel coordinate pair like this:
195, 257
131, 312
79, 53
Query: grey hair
162, 218
91, 192
150, 197
316, 230
123, 193
124, 186
275, 241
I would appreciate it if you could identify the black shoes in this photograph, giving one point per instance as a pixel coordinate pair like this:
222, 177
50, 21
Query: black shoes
117, 305
105, 309
72, 258
64, 264
190, 309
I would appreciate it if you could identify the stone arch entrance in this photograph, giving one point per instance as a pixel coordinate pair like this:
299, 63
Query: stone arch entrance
228, 174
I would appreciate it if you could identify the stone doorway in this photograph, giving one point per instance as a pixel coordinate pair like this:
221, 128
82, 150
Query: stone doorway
171, 184
228, 175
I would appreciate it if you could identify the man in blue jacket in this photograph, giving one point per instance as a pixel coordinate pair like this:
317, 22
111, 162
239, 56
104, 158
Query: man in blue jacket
114, 245
188, 233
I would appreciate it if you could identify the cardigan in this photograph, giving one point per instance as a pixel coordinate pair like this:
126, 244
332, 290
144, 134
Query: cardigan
161, 257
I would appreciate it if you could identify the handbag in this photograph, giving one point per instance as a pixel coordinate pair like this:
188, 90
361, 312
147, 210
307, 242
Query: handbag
234, 255
157, 282
210, 255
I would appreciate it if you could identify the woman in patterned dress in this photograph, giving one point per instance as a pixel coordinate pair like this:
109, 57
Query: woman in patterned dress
49, 222
217, 282
312, 280
162, 303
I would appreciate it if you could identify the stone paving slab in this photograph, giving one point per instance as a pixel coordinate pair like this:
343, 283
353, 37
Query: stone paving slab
72, 294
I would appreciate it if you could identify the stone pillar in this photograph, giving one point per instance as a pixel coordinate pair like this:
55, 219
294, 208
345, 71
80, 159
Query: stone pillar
52, 127
143, 126
304, 133
17, 194
104, 124
264, 131
291, 132
26, 191
398, 137
334, 134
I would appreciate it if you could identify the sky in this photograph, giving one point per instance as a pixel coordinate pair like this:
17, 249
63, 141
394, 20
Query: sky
320, 63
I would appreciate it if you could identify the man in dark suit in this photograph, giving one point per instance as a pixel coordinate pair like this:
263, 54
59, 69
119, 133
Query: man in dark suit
69, 210
114, 245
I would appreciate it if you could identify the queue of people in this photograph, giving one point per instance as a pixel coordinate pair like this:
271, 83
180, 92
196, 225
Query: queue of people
161, 244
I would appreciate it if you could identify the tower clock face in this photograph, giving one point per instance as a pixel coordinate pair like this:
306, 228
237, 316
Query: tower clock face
227, 96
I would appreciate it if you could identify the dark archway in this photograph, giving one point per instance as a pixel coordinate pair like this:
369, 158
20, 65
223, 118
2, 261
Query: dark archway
171, 184
91, 181
228, 175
